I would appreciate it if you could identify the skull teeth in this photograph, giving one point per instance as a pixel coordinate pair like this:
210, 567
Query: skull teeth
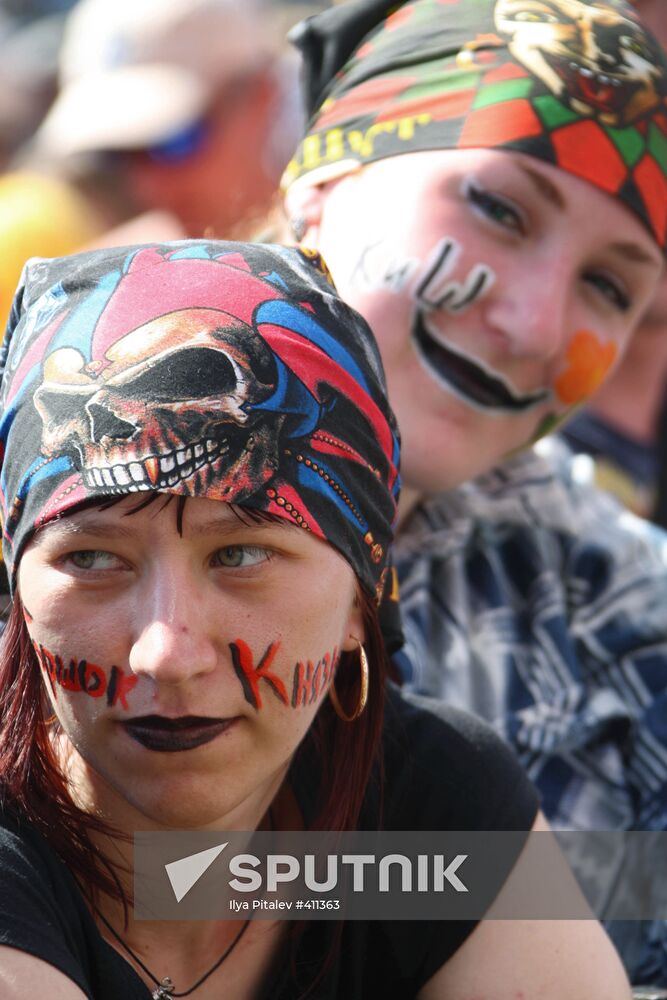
120, 475
152, 467
157, 470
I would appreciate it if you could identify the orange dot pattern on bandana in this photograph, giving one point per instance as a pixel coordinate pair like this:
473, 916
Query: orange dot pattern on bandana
589, 361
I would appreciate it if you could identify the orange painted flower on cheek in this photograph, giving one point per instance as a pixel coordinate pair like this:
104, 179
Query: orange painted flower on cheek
589, 361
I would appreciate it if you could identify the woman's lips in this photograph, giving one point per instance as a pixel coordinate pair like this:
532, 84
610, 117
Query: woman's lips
469, 379
157, 732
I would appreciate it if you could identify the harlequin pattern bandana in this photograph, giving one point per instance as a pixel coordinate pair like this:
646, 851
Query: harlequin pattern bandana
579, 84
220, 370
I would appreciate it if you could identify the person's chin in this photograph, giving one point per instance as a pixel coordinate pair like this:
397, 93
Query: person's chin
202, 808
457, 448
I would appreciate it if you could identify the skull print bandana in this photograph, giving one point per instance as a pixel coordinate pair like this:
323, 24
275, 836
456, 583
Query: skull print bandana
579, 84
222, 370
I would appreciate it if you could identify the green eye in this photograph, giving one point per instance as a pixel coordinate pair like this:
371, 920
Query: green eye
495, 209
233, 556
93, 559
610, 290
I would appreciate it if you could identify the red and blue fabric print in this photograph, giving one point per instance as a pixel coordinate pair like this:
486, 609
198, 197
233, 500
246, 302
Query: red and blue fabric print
224, 370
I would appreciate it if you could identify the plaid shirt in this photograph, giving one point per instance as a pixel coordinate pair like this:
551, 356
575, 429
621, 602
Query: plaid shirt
534, 600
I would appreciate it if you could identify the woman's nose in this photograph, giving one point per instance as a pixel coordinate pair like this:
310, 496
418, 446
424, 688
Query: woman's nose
531, 313
173, 640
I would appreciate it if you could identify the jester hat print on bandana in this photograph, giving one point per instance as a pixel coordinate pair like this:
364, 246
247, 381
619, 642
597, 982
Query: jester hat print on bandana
581, 85
222, 370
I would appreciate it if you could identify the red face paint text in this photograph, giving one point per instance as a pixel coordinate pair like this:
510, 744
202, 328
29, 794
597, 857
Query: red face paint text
84, 677
309, 680
312, 679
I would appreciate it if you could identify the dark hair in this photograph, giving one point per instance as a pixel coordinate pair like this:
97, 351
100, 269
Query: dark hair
34, 788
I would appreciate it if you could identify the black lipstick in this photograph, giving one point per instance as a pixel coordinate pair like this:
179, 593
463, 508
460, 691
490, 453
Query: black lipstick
157, 732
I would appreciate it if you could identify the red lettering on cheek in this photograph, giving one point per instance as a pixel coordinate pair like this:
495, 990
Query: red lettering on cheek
48, 665
120, 684
250, 675
83, 677
69, 676
302, 687
92, 679
317, 675
310, 681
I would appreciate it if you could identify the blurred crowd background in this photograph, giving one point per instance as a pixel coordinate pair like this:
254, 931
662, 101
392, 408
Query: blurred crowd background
123, 121
131, 120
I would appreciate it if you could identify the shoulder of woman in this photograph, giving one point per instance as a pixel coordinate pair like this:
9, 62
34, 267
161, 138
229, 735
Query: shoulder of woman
25, 854
447, 770
42, 914
22, 975
549, 959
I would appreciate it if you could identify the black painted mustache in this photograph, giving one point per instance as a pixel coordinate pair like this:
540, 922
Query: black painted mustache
468, 379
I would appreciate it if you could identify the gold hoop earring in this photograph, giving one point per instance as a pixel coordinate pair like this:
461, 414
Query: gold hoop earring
52, 718
363, 690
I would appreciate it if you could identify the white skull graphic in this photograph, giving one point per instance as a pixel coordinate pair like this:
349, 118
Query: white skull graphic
170, 403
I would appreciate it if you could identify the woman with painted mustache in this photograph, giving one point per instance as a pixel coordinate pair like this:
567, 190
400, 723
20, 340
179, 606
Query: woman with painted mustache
199, 480
487, 182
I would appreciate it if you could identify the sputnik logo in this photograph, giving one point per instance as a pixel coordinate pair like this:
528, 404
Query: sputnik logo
186, 872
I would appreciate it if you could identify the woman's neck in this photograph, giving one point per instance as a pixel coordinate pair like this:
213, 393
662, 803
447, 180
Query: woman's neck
186, 949
93, 794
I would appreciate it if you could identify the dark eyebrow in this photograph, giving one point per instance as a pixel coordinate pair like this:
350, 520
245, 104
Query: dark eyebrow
227, 526
634, 253
103, 529
544, 187
68, 526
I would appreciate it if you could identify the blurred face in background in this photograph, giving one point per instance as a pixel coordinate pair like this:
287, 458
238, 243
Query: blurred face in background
497, 313
218, 179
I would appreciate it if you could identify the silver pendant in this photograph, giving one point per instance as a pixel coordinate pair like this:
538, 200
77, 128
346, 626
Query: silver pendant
165, 990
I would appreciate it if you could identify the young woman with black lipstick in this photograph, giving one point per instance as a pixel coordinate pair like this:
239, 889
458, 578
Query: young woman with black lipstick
199, 479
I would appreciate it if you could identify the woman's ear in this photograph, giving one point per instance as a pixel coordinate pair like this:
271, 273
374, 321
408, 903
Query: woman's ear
303, 206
